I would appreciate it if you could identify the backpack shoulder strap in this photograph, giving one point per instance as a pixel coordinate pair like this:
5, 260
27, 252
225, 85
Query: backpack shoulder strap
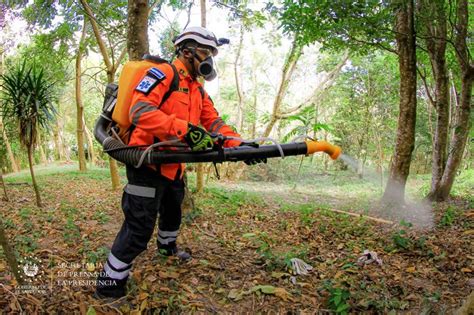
201, 90
174, 84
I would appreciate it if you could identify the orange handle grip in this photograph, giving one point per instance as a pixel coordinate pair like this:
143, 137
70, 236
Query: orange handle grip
323, 146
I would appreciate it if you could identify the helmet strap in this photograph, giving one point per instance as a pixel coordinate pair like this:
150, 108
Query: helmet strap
191, 61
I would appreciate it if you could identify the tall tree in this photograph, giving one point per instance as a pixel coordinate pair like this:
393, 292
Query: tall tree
432, 15
463, 118
200, 166
111, 65
28, 96
405, 142
287, 71
2, 163
137, 33
238, 85
42, 153
80, 125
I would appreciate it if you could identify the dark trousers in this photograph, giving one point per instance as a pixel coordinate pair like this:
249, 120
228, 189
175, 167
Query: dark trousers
147, 195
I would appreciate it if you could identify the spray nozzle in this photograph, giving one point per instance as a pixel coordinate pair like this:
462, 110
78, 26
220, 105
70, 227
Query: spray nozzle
317, 146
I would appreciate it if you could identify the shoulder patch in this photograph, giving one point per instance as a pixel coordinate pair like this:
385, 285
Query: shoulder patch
157, 73
147, 84
151, 79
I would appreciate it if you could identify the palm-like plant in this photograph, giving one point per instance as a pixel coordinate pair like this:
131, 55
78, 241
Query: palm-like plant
28, 97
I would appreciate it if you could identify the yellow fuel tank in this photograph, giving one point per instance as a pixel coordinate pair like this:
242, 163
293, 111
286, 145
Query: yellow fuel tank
132, 73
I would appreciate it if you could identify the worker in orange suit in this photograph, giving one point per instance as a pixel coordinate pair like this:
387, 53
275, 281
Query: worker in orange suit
168, 103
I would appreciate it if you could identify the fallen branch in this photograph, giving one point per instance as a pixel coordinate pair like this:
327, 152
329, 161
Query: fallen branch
204, 232
359, 215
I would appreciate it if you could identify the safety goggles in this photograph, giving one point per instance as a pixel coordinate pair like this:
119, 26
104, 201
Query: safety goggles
205, 51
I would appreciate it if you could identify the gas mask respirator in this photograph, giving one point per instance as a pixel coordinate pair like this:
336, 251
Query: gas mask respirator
206, 69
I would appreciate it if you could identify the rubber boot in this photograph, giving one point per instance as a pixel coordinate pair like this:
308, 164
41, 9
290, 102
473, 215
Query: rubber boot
174, 251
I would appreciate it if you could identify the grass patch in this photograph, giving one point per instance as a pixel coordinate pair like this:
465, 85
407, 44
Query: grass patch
227, 202
66, 171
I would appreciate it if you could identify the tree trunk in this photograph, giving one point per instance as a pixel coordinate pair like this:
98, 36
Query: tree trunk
203, 13
188, 201
33, 179
111, 68
90, 145
458, 142
4, 187
59, 142
11, 156
287, 71
10, 254
79, 105
240, 96
442, 122
137, 34
57, 154
253, 127
43, 158
435, 38
463, 113
200, 166
405, 143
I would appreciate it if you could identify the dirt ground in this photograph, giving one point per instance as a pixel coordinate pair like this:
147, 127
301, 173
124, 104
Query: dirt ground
242, 238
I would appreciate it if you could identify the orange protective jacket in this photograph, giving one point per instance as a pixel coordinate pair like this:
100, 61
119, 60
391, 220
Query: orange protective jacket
153, 122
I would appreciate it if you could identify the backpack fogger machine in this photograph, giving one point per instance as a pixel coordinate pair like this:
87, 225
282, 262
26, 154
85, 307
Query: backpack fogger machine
108, 134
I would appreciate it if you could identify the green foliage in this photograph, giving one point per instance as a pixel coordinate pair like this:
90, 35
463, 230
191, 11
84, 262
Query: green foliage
338, 299
307, 124
101, 217
228, 202
239, 10
98, 255
405, 242
166, 40
25, 243
338, 24
449, 216
463, 185
272, 259
28, 96
400, 238
365, 100
9, 224
52, 49
71, 231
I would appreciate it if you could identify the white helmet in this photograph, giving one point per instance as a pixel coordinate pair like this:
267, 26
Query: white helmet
200, 35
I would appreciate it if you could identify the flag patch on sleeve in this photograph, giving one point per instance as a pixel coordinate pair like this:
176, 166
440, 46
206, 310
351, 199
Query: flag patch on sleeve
157, 73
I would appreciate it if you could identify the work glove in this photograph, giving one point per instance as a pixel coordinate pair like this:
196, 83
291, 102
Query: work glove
254, 160
198, 139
